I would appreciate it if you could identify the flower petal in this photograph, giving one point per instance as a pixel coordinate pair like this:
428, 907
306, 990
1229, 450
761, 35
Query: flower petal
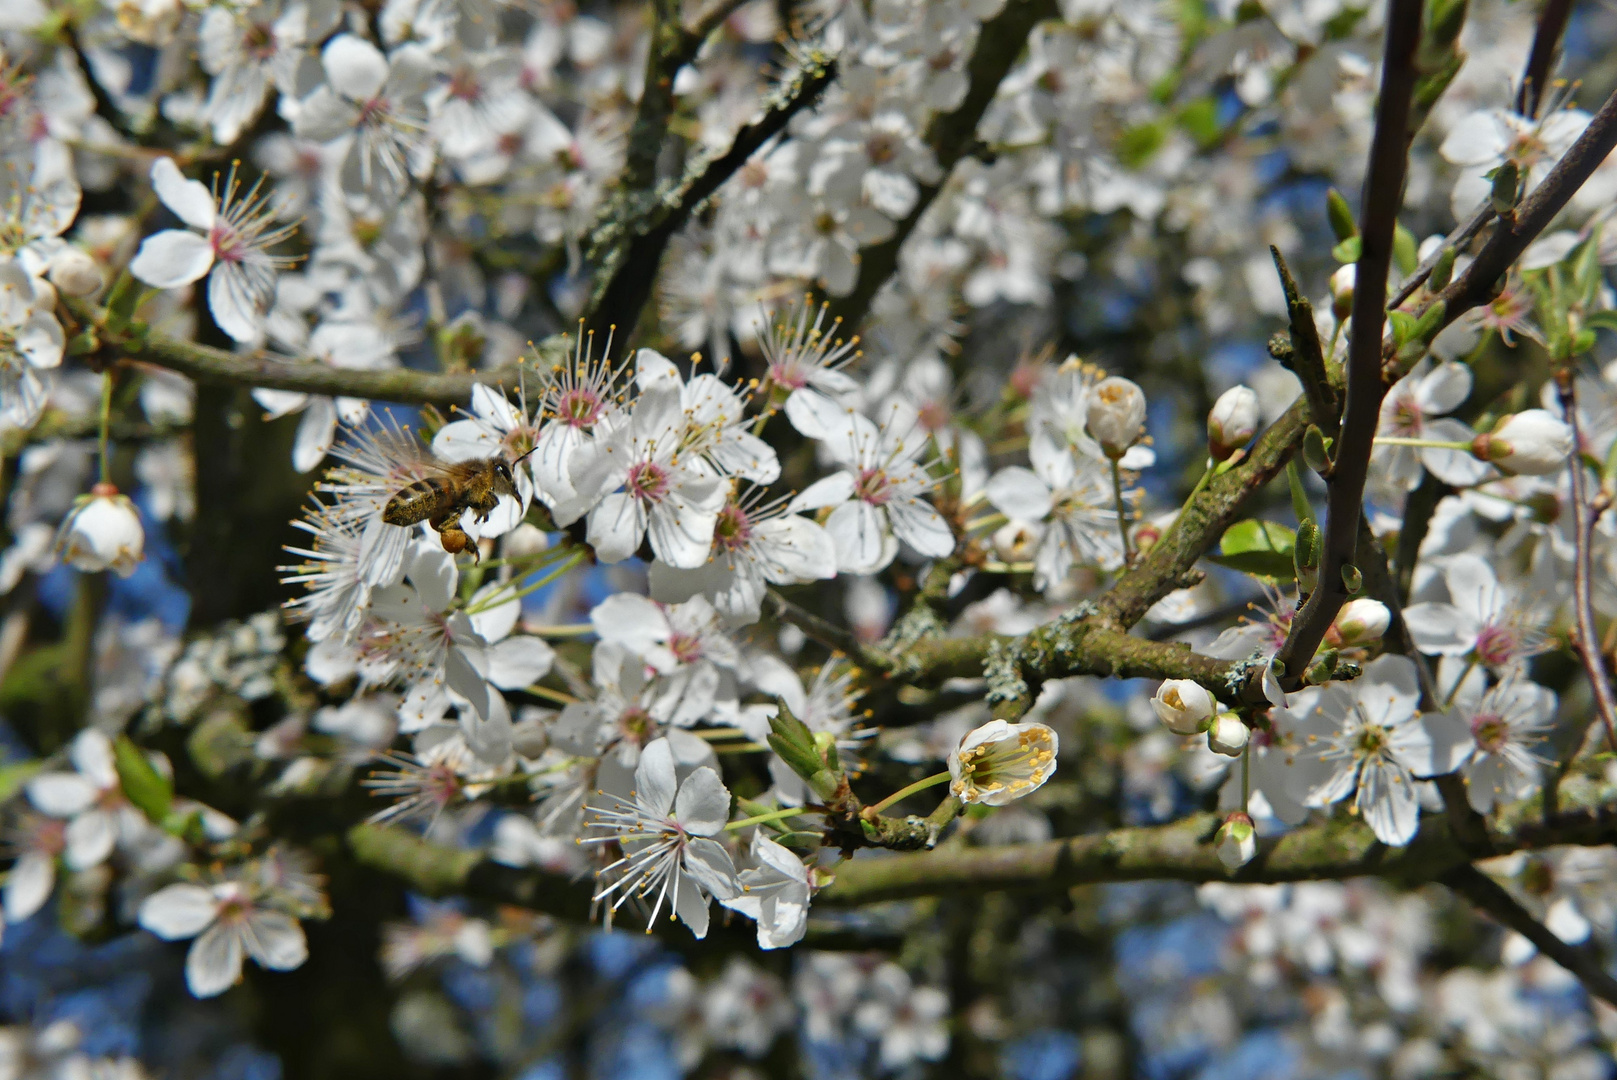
703, 803
178, 911
172, 258
214, 963
190, 200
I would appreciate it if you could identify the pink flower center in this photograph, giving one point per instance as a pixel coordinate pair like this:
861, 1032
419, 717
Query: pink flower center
1491, 732
48, 836
687, 648
648, 482
636, 724
874, 487
374, 112
579, 408
732, 531
464, 85
1496, 646
258, 41
226, 242
788, 375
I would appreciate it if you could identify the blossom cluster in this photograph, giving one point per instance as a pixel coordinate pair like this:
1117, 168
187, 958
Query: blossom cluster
767, 553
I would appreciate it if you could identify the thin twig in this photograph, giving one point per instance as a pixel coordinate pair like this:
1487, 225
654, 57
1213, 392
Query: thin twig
1585, 633
1383, 195
1486, 893
950, 137
1456, 240
1541, 59
629, 244
1533, 216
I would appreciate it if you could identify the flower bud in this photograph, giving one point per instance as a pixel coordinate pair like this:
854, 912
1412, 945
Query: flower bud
1016, 541
102, 532
1530, 443
74, 272
1342, 291
1116, 415
1184, 706
1359, 623
1228, 735
523, 541
1001, 762
1232, 423
1236, 841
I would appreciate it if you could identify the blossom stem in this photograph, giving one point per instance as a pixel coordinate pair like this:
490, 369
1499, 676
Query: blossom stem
773, 815
504, 595
1436, 444
1207, 474
1122, 512
106, 424
575, 630
550, 695
1246, 776
903, 793
1471, 665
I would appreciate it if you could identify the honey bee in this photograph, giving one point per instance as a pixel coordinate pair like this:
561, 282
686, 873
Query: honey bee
448, 491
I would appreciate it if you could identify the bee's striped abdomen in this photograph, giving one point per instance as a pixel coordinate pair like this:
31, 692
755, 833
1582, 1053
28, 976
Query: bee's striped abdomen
417, 502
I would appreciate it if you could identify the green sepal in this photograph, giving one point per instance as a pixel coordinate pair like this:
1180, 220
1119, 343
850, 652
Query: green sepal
150, 791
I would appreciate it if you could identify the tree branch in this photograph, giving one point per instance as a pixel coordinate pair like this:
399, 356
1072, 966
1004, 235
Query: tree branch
1476, 285
1488, 895
950, 135
1383, 196
1184, 851
1541, 59
1585, 634
629, 243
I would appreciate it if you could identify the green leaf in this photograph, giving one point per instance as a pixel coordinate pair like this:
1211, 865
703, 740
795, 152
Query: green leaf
1601, 320
1405, 251
1139, 144
13, 777
1403, 325
1260, 548
150, 791
1348, 250
1200, 121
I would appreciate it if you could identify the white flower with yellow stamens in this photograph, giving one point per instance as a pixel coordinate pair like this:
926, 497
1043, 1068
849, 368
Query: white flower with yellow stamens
1001, 762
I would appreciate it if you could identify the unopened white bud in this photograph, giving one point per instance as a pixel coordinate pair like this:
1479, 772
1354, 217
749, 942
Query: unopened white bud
1016, 541
1529, 443
102, 532
1232, 422
1358, 623
1116, 415
74, 272
1342, 291
1184, 706
1228, 735
1236, 841
523, 541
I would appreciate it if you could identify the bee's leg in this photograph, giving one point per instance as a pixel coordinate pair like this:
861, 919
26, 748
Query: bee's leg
453, 537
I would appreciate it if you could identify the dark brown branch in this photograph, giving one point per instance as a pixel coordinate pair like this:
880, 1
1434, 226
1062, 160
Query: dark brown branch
1383, 196
1586, 635
950, 137
1488, 895
1541, 59
630, 242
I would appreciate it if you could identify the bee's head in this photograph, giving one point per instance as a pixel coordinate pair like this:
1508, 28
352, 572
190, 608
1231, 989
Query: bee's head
504, 483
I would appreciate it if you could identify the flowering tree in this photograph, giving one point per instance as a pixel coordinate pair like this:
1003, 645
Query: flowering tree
861, 492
